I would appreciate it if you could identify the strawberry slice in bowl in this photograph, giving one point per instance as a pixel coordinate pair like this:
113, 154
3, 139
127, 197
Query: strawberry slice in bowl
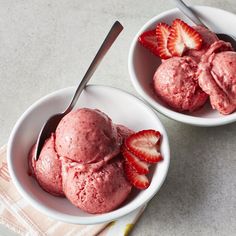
182, 37
156, 40
171, 41
141, 167
149, 40
139, 181
145, 144
140, 150
162, 33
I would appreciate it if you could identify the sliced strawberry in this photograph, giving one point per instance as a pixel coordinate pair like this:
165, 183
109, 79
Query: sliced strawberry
145, 145
149, 40
140, 166
162, 33
137, 180
182, 37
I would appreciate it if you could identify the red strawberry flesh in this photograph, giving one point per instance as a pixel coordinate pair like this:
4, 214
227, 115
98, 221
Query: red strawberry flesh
140, 166
182, 37
145, 145
137, 180
162, 33
149, 40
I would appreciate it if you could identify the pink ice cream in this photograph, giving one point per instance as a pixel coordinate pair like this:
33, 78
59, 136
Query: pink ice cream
176, 83
47, 169
217, 76
208, 38
97, 191
81, 161
86, 136
123, 131
31, 161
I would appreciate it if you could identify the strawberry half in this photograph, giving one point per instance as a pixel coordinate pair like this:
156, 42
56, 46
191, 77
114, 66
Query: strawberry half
149, 40
162, 33
140, 166
137, 180
182, 37
145, 145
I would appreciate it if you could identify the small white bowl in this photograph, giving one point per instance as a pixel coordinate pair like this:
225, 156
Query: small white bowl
123, 108
142, 65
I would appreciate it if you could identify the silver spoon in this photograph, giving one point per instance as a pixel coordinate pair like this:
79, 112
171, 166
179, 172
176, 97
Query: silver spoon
195, 19
53, 121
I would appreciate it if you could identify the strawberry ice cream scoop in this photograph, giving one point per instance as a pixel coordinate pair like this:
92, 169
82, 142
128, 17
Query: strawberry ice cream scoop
217, 76
176, 83
87, 135
208, 38
47, 169
96, 191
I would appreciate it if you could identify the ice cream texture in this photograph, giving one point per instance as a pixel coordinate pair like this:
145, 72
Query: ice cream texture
82, 161
87, 136
47, 169
217, 76
176, 83
97, 191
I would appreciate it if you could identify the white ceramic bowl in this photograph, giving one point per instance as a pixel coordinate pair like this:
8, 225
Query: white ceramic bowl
142, 65
123, 108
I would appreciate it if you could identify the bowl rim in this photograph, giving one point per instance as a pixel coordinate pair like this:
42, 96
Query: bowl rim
95, 219
174, 115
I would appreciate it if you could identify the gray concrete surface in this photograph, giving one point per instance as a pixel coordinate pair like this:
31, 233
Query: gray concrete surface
48, 45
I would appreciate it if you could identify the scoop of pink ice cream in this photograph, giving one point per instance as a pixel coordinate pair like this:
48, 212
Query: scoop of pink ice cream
208, 38
123, 132
87, 135
47, 169
217, 76
96, 191
176, 83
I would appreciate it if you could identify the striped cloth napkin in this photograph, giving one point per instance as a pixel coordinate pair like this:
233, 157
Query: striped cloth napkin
20, 217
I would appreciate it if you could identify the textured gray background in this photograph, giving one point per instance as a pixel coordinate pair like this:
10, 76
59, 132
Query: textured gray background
48, 45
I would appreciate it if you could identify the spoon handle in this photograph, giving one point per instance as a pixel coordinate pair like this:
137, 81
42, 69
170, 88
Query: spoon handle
188, 12
108, 41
